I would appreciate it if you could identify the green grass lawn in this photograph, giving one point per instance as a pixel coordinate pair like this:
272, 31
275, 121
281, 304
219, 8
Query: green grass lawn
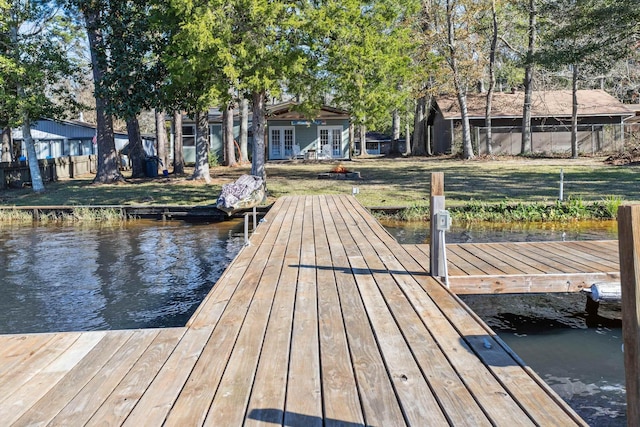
385, 182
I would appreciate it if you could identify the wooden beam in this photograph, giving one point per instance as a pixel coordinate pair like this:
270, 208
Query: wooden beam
436, 205
528, 283
629, 244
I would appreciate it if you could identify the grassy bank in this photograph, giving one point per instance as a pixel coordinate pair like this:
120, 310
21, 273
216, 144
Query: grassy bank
479, 189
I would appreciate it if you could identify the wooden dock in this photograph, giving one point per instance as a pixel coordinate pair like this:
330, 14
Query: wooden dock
494, 268
324, 319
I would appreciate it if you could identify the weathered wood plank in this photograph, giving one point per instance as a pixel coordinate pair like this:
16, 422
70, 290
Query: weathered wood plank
194, 401
494, 399
304, 394
230, 401
629, 241
22, 399
528, 283
607, 249
419, 401
377, 395
503, 264
456, 256
563, 251
267, 401
537, 259
74, 381
33, 361
341, 401
126, 395
590, 262
19, 349
82, 407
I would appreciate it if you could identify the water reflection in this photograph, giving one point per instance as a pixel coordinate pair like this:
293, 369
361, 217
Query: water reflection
482, 232
138, 275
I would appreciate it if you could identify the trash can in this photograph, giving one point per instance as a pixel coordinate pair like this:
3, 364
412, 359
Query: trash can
151, 167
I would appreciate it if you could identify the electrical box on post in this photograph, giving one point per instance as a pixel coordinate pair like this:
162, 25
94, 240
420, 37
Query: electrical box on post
443, 221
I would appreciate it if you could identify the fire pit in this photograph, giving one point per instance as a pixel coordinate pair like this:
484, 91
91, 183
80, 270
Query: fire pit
340, 172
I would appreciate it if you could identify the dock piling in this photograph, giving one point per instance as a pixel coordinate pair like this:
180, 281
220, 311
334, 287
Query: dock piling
629, 248
437, 204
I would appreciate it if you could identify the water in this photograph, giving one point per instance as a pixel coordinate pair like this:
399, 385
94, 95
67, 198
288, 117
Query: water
139, 275
583, 364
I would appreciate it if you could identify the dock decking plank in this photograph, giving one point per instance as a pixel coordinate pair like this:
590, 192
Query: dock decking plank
229, 405
56, 398
425, 377
494, 399
34, 361
125, 396
379, 402
340, 392
195, 398
304, 394
82, 407
267, 400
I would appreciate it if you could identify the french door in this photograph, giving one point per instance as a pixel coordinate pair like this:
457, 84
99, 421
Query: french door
330, 138
281, 141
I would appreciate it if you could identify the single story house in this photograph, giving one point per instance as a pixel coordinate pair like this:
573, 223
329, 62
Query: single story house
59, 138
289, 134
600, 122
380, 144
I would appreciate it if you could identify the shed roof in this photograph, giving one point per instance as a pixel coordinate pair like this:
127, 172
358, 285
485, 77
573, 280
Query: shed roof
556, 103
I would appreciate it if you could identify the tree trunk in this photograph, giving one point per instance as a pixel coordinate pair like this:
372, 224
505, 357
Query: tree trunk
460, 86
161, 139
492, 79
229, 140
419, 148
395, 131
201, 170
426, 132
407, 136
467, 147
528, 81
36, 178
244, 130
352, 139
574, 113
178, 155
7, 145
259, 124
108, 168
136, 152
362, 132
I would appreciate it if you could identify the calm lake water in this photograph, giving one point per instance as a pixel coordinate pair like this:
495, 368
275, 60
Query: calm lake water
584, 365
141, 274
151, 274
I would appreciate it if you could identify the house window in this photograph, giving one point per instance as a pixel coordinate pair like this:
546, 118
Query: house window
281, 141
189, 135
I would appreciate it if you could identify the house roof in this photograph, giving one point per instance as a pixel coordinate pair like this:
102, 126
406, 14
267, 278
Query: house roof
285, 110
557, 103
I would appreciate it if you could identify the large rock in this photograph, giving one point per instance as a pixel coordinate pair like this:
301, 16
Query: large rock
248, 191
